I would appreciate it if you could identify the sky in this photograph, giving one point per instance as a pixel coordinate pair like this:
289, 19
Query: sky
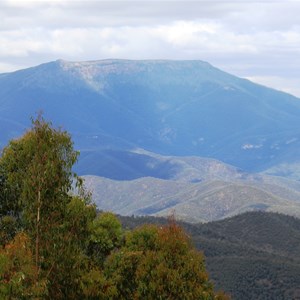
258, 40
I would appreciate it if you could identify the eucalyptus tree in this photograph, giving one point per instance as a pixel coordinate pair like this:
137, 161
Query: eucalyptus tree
55, 246
36, 184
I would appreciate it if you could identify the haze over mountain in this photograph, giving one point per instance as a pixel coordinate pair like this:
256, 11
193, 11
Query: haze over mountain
194, 189
150, 122
168, 107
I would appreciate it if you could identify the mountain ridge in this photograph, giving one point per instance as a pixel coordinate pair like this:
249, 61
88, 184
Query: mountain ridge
203, 190
133, 119
170, 107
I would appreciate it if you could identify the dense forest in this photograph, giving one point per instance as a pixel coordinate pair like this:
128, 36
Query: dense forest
255, 255
54, 244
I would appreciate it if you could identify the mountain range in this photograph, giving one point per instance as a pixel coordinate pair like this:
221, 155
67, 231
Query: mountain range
194, 189
203, 142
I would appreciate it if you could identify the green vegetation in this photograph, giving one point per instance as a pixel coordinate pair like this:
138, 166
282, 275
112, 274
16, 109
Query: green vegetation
55, 246
251, 256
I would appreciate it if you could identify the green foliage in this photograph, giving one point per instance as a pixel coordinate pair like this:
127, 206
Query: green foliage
77, 222
143, 238
38, 163
121, 268
95, 285
37, 180
18, 271
106, 235
8, 228
68, 261
255, 255
9, 203
55, 246
159, 263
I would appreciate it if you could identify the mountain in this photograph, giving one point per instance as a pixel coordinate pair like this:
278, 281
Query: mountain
255, 255
193, 202
158, 136
176, 108
197, 190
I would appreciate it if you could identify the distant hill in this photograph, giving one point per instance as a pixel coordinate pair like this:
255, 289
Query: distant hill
177, 108
196, 190
255, 255
193, 202
129, 165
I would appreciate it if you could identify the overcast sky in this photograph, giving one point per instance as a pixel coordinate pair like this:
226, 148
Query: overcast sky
259, 40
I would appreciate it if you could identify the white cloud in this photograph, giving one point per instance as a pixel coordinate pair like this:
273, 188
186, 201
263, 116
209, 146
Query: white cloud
289, 85
253, 39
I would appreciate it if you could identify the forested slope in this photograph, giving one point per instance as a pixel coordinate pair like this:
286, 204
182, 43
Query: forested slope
251, 256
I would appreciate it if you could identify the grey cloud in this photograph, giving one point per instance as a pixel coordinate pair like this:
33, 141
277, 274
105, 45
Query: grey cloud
257, 39
238, 15
110, 13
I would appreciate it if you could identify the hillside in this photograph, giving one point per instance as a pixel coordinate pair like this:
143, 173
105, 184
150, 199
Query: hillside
193, 202
177, 108
197, 190
251, 256
138, 124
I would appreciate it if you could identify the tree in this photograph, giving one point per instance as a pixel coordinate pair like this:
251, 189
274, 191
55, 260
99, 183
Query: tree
8, 229
106, 235
36, 187
159, 263
18, 271
55, 246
